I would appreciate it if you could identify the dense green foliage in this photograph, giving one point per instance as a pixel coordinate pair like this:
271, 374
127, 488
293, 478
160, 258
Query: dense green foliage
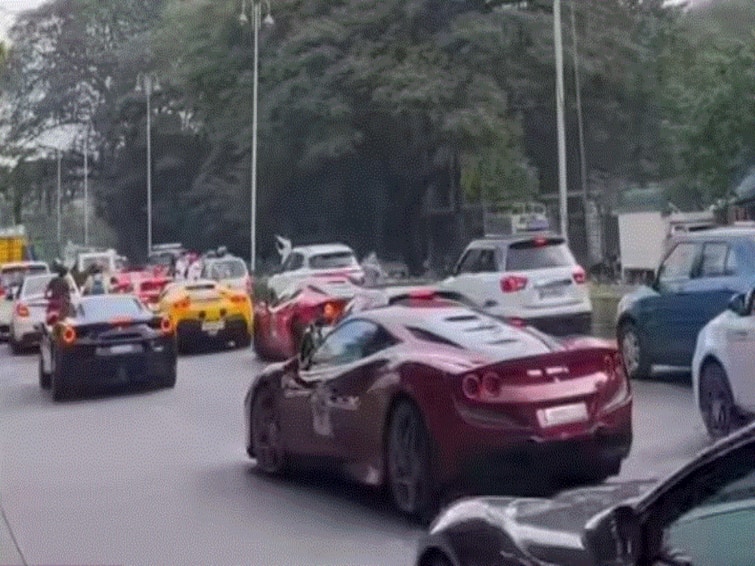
377, 118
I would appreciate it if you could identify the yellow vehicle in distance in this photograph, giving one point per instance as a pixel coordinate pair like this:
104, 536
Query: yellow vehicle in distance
205, 312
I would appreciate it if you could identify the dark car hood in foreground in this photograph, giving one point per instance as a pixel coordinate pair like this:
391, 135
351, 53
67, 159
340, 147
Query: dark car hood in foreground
538, 530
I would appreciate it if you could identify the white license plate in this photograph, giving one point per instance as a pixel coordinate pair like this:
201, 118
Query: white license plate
213, 327
563, 414
551, 292
122, 348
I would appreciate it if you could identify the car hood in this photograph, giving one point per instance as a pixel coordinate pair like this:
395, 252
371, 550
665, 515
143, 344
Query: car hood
543, 530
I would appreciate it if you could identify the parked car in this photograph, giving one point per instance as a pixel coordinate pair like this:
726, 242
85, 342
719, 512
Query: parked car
659, 323
11, 277
723, 372
419, 394
303, 262
107, 340
205, 312
704, 513
229, 270
526, 279
30, 310
279, 327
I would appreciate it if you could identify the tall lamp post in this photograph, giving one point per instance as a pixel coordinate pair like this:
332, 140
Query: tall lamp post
562, 190
255, 7
147, 83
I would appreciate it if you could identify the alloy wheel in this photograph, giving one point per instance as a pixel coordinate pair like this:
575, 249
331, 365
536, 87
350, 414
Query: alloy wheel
408, 461
266, 435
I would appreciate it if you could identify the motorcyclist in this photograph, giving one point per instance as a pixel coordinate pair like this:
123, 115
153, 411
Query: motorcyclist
58, 291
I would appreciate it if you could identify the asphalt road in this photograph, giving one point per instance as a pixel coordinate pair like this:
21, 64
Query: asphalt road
161, 477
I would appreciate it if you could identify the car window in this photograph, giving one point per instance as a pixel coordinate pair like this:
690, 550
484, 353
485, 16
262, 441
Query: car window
227, 269
732, 264
468, 263
294, 261
713, 262
487, 261
711, 516
350, 342
538, 253
679, 263
332, 260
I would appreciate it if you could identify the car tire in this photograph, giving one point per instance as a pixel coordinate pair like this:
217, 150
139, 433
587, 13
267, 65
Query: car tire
182, 344
266, 437
244, 340
716, 401
45, 378
15, 347
259, 346
59, 387
633, 351
409, 462
170, 379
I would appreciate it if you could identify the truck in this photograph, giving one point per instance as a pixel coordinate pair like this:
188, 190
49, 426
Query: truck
515, 218
643, 237
14, 245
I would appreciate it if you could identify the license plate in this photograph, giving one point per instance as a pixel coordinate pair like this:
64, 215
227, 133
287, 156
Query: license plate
564, 414
551, 292
213, 327
122, 348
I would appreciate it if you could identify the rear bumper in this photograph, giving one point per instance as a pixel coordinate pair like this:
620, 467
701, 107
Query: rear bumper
234, 327
563, 325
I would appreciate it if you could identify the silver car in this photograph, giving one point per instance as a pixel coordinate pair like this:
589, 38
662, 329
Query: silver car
30, 310
11, 277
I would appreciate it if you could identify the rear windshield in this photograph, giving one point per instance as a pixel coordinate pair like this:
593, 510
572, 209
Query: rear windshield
538, 254
36, 285
332, 260
13, 276
230, 269
101, 261
107, 307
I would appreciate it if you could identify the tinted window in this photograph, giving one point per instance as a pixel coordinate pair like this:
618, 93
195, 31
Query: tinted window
487, 262
679, 263
293, 262
105, 308
468, 263
227, 269
348, 343
714, 260
334, 260
538, 254
13, 276
731, 262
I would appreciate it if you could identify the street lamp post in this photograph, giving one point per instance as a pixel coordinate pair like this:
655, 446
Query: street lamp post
147, 83
562, 190
256, 13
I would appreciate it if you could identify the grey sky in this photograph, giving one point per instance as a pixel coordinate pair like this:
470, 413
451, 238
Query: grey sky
10, 8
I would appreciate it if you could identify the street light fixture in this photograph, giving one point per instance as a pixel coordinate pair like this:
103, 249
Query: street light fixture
255, 7
147, 83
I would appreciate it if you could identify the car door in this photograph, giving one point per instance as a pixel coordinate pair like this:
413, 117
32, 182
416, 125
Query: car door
739, 344
462, 278
311, 398
670, 323
706, 516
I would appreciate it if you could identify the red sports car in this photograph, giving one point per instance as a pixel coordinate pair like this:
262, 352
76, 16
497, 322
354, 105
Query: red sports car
425, 392
280, 327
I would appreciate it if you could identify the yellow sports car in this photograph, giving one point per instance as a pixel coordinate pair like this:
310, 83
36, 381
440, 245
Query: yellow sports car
205, 311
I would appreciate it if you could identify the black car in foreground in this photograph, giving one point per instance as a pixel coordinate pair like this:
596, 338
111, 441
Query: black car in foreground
106, 340
704, 514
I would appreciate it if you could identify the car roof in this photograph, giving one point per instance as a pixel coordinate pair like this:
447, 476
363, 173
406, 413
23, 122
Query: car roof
316, 249
730, 232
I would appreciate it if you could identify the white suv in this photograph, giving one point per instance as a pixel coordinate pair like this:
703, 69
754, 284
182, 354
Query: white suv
526, 279
304, 262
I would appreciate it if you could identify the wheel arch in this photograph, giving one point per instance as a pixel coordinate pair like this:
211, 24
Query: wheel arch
711, 359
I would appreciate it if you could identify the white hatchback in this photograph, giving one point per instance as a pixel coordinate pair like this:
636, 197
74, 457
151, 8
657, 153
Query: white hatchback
30, 310
228, 270
723, 372
528, 279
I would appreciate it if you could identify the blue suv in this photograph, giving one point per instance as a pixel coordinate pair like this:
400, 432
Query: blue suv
659, 323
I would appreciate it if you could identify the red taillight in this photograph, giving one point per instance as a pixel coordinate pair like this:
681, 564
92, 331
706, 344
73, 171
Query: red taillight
22, 310
513, 283
238, 299
68, 335
579, 276
540, 242
518, 322
422, 294
470, 384
330, 312
166, 326
491, 384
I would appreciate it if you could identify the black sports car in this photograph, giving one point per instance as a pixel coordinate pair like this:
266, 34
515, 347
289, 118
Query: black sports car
106, 340
704, 514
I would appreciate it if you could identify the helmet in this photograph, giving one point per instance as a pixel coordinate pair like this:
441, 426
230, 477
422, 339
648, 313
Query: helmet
59, 267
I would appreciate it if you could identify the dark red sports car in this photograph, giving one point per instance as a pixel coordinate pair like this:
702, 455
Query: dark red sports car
424, 392
279, 327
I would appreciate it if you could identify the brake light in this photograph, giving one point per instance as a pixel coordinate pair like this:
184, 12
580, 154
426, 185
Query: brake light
516, 321
22, 310
470, 385
184, 303
540, 242
425, 294
68, 335
166, 326
238, 299
513, 283
330, 312
491, 384
579, 276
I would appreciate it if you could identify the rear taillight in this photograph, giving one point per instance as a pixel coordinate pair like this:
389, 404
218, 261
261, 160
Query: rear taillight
486, 389
238, 299
513, 283
166, 326
68, 335
470, 385
22, 310
184, 303
491, 384
331, 311
579, 276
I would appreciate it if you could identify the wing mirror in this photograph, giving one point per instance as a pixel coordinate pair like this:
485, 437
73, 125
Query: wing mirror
614, 536
739, 303
310, 341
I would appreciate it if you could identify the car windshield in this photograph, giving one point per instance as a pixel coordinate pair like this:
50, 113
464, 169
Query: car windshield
14, 276
103, 308
36, 285
101, 261
333, 260
227, 269
538, 254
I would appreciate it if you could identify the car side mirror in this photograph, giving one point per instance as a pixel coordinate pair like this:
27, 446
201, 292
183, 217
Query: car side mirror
739, 303
614, 536
309, 343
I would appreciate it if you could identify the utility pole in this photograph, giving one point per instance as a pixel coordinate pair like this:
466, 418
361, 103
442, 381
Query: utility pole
580, 122
562, 188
